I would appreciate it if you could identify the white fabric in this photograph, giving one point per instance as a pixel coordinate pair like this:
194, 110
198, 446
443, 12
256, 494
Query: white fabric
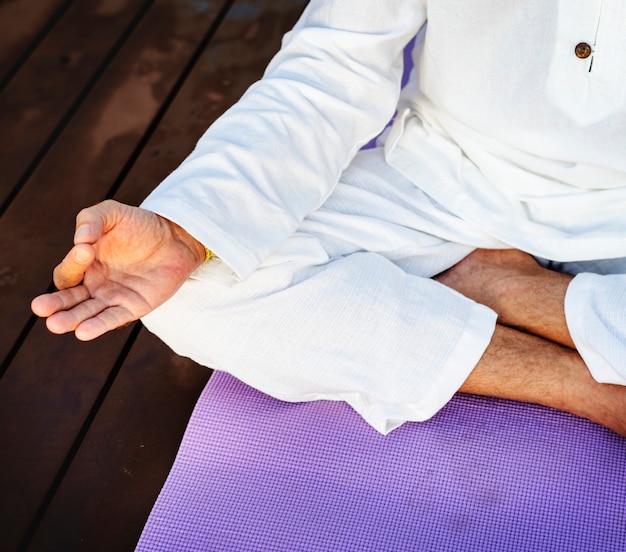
515, 141
344, 310
595, 306
281, 149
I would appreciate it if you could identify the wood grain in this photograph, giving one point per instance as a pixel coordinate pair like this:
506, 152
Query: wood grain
88, 431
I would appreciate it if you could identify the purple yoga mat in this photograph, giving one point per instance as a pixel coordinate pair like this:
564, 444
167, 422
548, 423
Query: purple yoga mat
254, 473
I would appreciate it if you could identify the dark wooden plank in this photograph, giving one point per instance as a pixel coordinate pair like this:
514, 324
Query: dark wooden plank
237, 57
21, 24
106, 498
44, 402
45, 399
108, 491
41, 94
86, 160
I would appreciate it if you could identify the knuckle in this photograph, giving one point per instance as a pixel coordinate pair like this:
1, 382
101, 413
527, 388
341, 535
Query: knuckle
82, 214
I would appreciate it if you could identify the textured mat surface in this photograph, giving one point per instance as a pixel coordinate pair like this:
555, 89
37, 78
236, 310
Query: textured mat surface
254, 473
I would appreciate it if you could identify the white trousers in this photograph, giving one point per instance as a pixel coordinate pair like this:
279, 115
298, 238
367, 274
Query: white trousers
346, 310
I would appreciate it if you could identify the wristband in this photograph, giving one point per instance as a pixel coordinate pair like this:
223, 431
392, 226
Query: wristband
208, 255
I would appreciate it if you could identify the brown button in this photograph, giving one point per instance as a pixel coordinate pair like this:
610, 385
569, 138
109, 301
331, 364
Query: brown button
582, 50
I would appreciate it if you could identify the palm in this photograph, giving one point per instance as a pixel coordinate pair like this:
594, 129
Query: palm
140, 261
137, 266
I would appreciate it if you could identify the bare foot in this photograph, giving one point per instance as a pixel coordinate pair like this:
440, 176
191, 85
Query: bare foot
525, 295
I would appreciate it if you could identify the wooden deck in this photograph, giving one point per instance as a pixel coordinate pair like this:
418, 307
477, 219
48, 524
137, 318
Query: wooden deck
99, 99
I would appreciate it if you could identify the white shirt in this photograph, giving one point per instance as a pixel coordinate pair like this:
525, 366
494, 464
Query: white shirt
502, 124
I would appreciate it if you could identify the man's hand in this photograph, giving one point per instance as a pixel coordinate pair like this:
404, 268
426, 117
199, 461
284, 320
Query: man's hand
125, 262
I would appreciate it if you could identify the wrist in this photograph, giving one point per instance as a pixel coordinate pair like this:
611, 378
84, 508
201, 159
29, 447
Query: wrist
197, 251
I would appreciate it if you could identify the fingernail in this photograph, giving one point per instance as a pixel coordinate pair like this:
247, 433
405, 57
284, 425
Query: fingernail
82, 232
81, 256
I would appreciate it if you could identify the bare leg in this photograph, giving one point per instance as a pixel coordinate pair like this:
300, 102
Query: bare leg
525, 295
542, 368
524, 367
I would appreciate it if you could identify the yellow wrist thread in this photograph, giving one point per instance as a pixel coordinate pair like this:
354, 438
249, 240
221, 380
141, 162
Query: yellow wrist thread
208, 255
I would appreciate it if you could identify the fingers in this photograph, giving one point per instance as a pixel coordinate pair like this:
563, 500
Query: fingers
94, 221
73, 310
74, 307
50, 303
107, 320
64, 321
91, 224
71, 271
89, 320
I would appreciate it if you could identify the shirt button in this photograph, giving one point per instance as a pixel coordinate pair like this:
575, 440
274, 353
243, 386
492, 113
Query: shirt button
582, 50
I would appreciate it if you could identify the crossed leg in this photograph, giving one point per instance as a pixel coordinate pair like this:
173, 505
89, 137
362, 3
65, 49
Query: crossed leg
531, 356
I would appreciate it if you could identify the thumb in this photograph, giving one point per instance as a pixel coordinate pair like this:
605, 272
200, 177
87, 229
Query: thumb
71, 271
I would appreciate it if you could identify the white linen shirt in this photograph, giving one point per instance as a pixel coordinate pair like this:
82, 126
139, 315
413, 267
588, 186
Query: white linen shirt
502, 124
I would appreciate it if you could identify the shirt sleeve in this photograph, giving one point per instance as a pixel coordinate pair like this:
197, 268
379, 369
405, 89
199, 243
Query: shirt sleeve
277, 154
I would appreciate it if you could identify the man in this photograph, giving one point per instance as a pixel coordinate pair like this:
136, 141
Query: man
508, 143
